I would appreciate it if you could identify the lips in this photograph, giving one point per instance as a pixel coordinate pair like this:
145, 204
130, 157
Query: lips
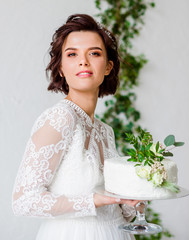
84, 73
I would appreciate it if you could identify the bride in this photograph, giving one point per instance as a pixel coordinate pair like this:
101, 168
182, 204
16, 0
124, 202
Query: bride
64, 156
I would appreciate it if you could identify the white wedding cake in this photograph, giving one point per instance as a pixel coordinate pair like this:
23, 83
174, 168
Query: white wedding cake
121, 178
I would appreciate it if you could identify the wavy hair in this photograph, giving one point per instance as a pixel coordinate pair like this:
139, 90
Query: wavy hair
82, 22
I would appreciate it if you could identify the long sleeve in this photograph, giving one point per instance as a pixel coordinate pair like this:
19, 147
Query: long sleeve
50, 138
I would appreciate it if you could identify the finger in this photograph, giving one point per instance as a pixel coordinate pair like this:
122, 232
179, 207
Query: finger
111, 200
129, 202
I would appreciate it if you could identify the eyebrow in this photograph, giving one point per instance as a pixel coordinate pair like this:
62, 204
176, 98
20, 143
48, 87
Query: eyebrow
91, 48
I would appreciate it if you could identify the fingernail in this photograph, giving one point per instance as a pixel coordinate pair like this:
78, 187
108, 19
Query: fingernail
117, 199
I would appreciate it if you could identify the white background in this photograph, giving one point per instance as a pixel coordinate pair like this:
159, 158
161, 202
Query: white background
26, 28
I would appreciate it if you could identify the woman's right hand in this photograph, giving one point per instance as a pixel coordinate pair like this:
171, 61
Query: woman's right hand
101, 200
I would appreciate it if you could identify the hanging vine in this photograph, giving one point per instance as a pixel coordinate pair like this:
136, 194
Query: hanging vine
125, 18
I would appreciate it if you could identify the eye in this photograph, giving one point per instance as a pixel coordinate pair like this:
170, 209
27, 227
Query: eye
95, 53
71, 54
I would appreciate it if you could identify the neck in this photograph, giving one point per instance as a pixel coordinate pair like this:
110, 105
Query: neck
86, 101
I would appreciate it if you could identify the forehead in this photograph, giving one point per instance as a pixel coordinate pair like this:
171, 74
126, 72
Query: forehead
83, 39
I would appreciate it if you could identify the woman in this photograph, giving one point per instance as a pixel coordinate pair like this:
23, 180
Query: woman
63, 160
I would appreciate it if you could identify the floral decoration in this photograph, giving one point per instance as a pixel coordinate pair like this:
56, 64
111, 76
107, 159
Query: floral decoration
149, 156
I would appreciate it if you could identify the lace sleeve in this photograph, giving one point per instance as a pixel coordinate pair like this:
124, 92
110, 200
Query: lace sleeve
128, 212
46, 147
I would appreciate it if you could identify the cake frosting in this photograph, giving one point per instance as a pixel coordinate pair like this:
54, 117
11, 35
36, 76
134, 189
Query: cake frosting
120, 178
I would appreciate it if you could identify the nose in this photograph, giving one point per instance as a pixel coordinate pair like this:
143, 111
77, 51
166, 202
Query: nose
83, 61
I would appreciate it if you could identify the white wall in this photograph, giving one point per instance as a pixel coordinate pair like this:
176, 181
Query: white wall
26, 29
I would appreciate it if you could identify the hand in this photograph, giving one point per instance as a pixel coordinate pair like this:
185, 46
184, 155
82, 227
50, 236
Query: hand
141, 207
101, 200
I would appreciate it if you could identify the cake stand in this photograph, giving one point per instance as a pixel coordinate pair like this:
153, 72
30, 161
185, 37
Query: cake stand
140, 225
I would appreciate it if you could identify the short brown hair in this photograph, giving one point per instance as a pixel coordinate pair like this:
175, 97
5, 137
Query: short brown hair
82, 22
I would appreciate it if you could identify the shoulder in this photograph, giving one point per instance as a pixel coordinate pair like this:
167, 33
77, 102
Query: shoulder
58, 116
104, 125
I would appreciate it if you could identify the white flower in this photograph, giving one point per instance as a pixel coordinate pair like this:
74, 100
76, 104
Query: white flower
153, 149
159, 167
143, 172
157, 178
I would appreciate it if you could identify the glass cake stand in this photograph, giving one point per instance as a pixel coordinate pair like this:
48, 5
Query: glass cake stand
140, 225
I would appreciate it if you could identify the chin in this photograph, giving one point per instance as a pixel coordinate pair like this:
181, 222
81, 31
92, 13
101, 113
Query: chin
87, 88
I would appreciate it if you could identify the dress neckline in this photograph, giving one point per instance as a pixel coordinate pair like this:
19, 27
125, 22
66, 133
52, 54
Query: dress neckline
80, 110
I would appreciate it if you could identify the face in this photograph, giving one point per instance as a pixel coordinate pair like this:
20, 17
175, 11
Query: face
84, 61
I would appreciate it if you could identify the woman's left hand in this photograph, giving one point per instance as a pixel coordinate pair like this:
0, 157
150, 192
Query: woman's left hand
101, 200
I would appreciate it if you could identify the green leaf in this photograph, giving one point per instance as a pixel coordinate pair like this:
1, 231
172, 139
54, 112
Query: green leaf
150, 161
132, 160
151, 153
161, 158
142, 148
148, 146
162, 150
169, 140
97, 116
136, 146
178, 144
167, 154
131, 152
157, 146
171, 186
97, 2
136, 165
140, 157
145, 163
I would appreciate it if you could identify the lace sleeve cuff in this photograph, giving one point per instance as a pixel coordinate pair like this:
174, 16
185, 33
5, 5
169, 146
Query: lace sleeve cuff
84, 205
128, 212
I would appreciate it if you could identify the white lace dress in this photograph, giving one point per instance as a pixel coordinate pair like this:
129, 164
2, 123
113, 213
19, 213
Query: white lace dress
62, 164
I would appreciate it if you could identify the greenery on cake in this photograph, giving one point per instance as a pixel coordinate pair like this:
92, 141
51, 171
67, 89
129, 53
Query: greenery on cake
148, 157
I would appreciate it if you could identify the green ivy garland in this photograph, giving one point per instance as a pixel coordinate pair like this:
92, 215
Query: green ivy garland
124, 18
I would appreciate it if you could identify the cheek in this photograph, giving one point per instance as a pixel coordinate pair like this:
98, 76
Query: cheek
101, 66
66, 67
